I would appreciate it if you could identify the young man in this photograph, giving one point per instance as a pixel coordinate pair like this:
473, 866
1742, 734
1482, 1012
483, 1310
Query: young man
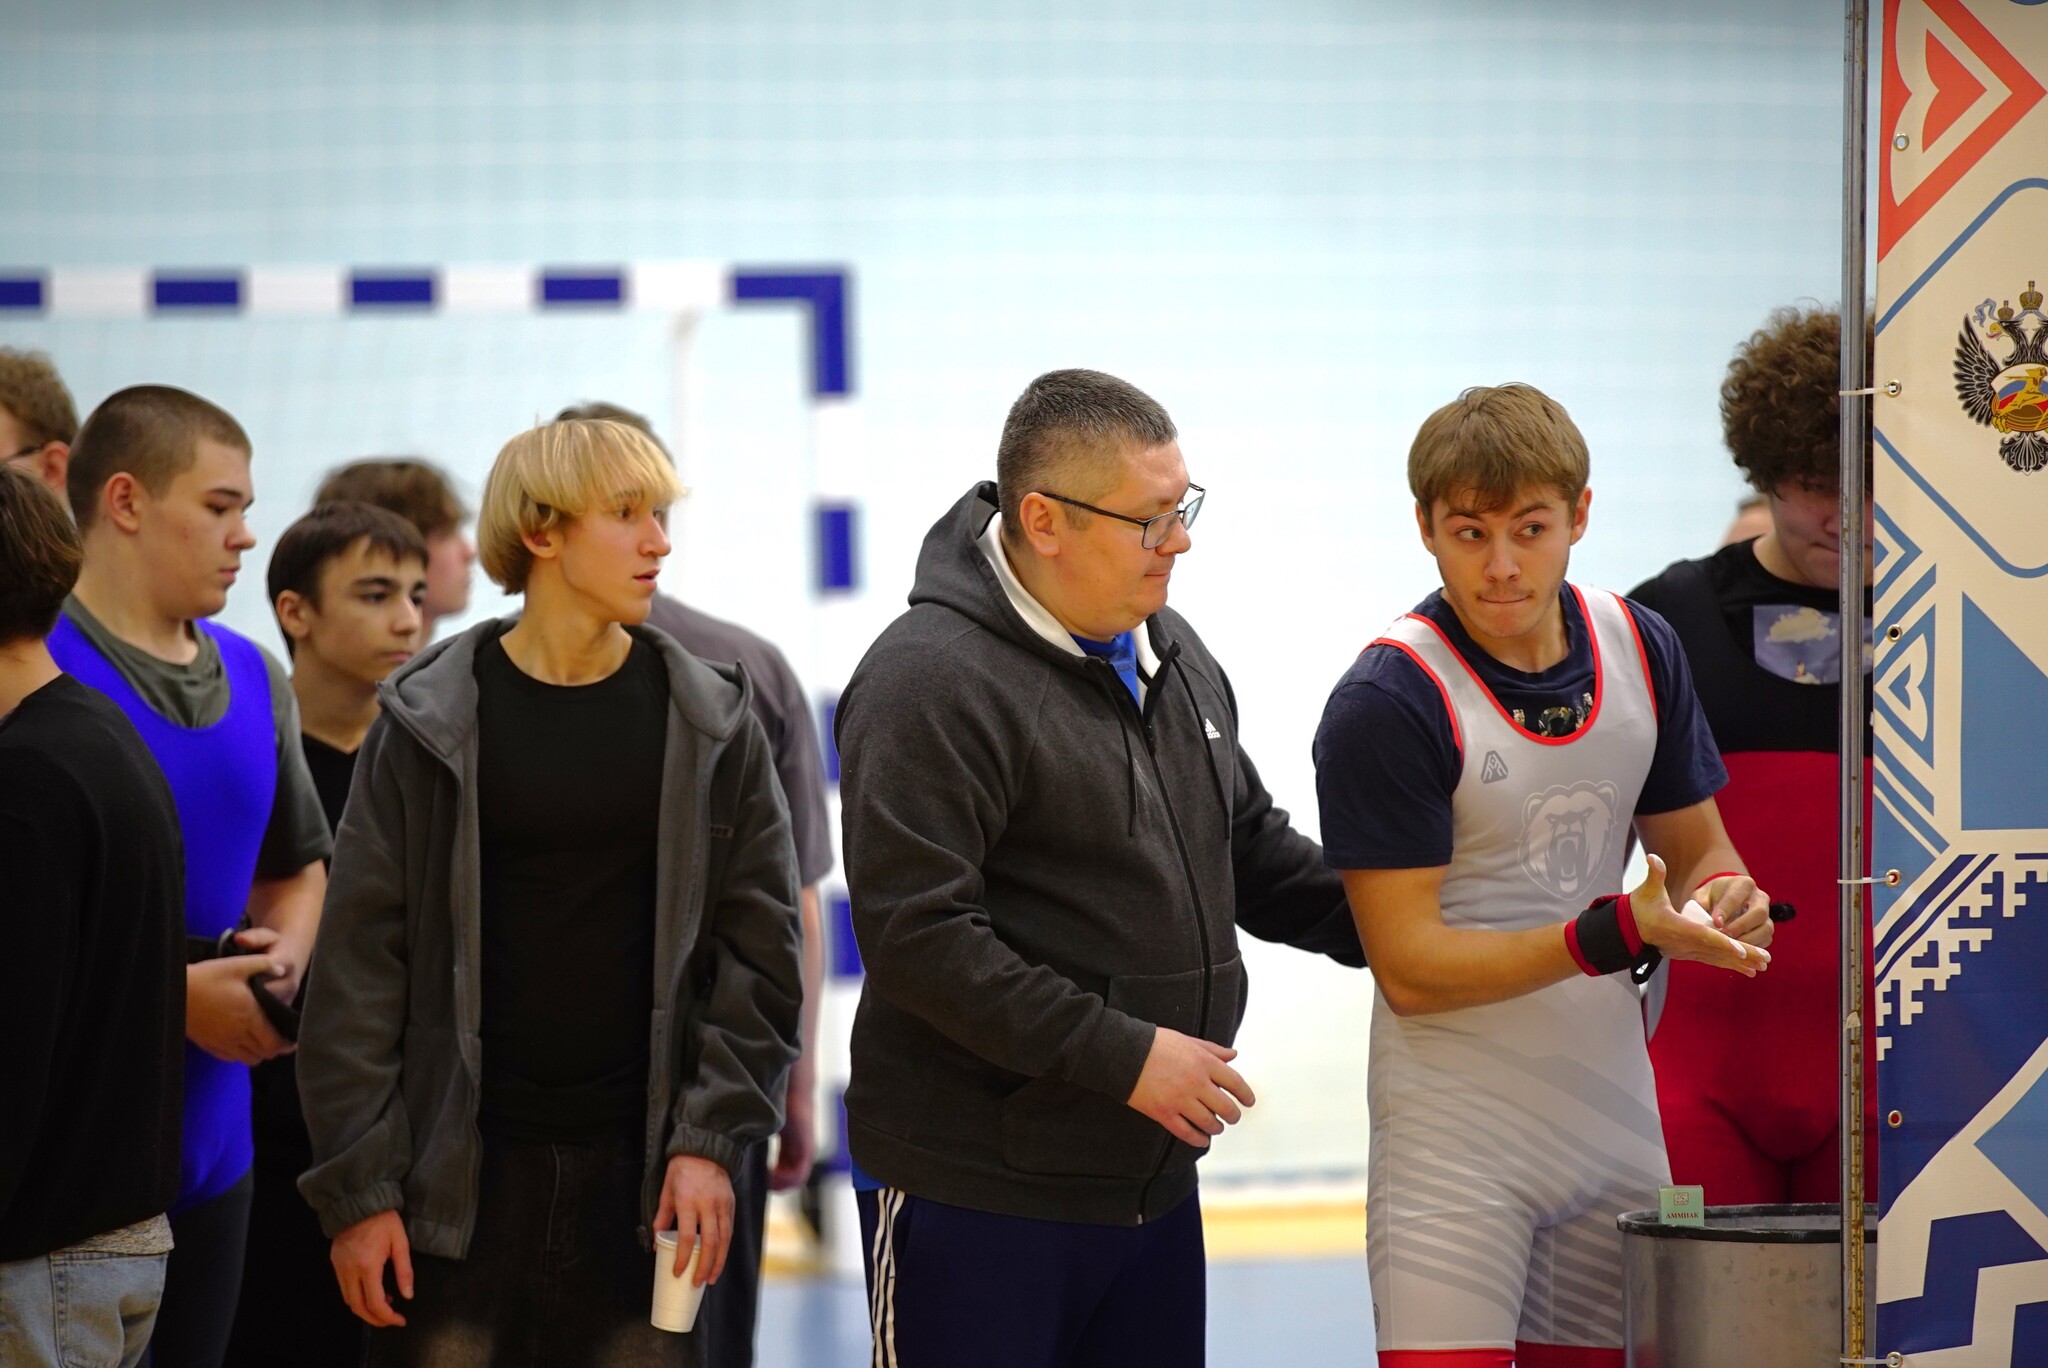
1478, 769
558, 987
730, 1310
424, 496
160, 482
92, 983
346, 582
1761, 624
37, 418
1052, 838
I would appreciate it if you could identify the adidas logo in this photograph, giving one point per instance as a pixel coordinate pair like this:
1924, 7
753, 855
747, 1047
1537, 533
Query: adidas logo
1209, 730
1494, 770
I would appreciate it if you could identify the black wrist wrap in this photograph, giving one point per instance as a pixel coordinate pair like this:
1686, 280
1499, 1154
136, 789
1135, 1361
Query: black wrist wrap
1597, 938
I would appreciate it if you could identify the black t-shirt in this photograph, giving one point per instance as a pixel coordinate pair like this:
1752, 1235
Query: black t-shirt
569, 796
1765, 652
333, 771
92, 974
1387, 761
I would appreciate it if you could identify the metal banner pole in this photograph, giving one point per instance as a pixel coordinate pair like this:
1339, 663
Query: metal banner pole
1855, 427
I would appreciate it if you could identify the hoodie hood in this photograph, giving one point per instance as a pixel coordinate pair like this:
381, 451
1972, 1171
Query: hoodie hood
954, 572
434, 696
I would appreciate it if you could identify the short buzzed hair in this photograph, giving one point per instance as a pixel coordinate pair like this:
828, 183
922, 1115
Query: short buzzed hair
34, 393
418, 491
1493, 441
39, 557
151, 432
1065, 436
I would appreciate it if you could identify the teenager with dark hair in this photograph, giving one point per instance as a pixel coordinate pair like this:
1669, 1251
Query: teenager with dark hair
1479, 768
160, 482
346, 583
1762, 622
424, 495
92, 985
558, 987
730, 1310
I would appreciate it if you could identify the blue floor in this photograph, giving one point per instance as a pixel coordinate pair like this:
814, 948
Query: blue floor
1304, 1313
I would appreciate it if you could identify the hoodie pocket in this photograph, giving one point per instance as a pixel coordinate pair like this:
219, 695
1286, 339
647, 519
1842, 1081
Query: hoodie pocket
1053, 1127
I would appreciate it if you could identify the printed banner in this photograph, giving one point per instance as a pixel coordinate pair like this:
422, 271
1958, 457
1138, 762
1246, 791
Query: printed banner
1961, 688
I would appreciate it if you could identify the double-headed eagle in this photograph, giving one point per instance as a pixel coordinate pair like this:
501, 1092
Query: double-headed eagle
2006, 396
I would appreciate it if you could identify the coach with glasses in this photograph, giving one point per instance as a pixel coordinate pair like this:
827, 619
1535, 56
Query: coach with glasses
1052, 836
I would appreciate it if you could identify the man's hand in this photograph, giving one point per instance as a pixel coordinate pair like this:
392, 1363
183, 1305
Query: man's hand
1681, 938
359, 1255
696, 1198
797, 1147
1737, 906
223, 1018
1188, 1087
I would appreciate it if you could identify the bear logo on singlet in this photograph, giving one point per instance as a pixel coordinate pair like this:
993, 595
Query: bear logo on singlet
1566, 832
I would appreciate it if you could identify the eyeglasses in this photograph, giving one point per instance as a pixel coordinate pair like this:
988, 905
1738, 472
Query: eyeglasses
22, 454
1158, 528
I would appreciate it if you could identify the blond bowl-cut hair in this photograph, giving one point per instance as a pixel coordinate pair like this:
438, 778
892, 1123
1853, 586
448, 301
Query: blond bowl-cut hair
552, 474
1492, 442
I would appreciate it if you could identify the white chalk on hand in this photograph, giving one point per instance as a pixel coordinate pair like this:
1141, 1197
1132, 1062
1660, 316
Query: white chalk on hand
1696, 914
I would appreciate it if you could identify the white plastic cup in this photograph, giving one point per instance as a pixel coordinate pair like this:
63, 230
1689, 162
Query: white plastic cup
675, 1298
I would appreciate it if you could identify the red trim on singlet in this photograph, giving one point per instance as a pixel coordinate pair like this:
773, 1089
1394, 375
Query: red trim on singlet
1447, 1358
1642, 654
1529, 1355
1599, 691
1450, 709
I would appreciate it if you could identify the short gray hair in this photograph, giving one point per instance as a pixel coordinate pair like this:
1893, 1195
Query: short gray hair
1064, 436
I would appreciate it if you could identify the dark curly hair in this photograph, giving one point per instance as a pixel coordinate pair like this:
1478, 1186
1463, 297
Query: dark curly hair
1780, 413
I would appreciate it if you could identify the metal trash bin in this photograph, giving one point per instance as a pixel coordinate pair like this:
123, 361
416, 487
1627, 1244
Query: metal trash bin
1754, 1287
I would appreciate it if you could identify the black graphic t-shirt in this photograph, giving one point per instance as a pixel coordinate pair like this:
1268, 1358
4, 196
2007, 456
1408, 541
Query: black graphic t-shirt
1387, 761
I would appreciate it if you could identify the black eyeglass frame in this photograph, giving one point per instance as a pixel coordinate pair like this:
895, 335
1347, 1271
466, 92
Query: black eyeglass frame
1189, 510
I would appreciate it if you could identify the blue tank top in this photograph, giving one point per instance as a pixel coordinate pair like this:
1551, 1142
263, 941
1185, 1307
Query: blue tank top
224, 780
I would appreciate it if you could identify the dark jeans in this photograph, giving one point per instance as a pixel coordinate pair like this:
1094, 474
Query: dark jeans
202, 1281
291, 1309
732, 1305
555, 1277
949, 1287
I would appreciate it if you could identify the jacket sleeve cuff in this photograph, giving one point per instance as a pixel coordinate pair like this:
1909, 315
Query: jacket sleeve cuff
1115, 1055
373, 1200
704, 1144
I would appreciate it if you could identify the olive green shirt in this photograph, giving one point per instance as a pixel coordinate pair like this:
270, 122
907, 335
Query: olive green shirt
196, 695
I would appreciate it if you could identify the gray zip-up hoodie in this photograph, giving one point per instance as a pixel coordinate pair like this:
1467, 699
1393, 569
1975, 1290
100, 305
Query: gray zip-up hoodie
1042, 873
390, 1058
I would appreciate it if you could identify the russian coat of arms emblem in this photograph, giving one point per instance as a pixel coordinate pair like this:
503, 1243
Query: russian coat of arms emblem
2004, 393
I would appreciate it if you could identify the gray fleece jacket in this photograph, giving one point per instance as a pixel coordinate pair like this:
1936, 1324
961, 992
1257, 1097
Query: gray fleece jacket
390, 1057
1044, 872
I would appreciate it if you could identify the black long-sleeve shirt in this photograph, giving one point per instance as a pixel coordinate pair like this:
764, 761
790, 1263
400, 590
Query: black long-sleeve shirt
92, 978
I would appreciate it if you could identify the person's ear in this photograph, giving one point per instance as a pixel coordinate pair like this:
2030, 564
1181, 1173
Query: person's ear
294, 615
545, 543
1580, 509
1039, 522
1423, 525
53, 466
122, 500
